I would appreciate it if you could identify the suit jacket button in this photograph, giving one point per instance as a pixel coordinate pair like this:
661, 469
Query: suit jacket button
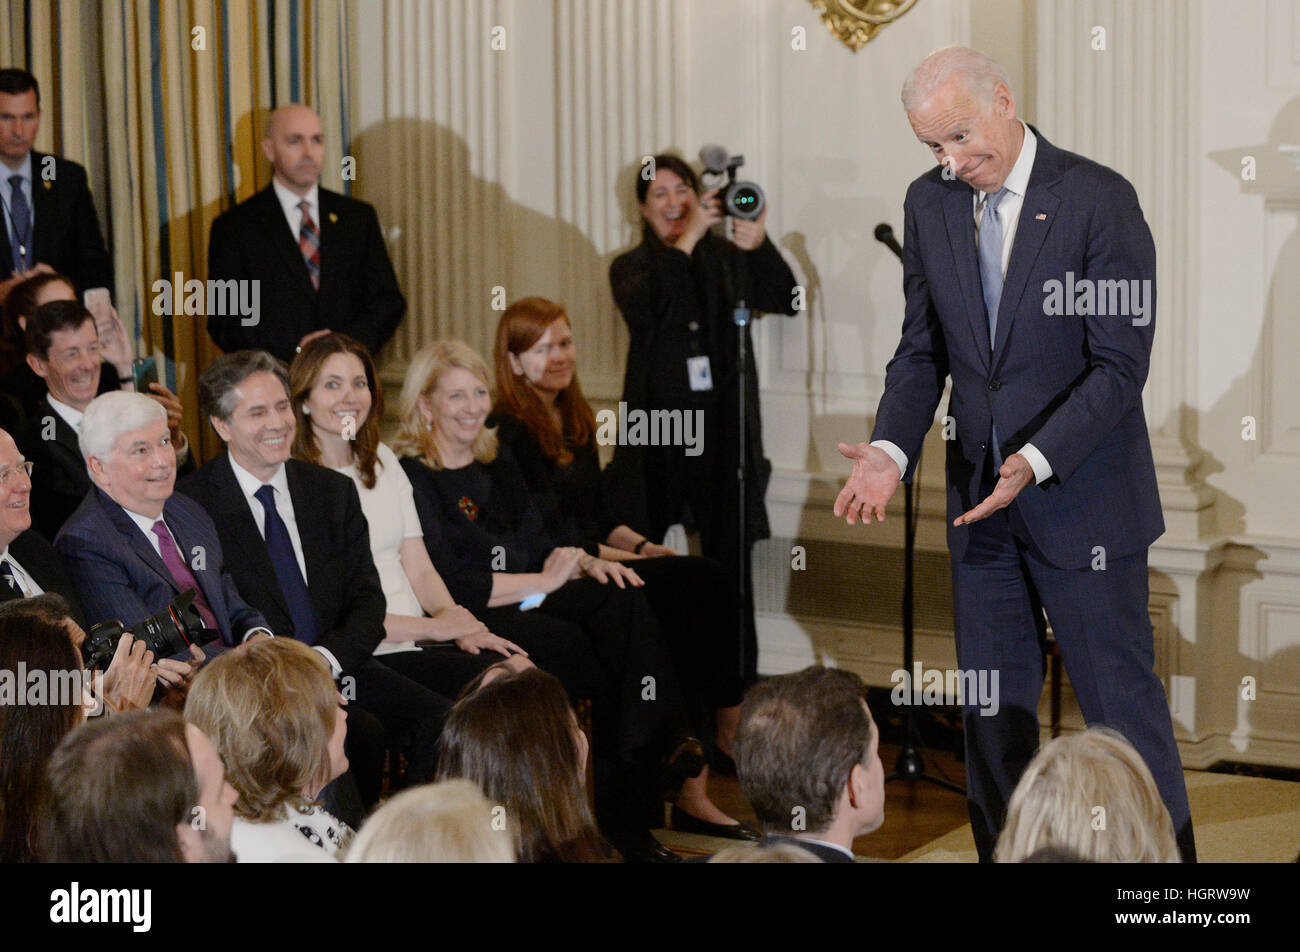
995, 385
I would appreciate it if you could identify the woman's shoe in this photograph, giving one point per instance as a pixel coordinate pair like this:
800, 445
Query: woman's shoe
683, 822
685, 762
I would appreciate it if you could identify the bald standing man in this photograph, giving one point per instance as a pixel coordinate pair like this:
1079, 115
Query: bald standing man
319, 257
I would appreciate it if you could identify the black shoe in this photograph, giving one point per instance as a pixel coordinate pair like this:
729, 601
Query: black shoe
645, 848
685, 762
683, 822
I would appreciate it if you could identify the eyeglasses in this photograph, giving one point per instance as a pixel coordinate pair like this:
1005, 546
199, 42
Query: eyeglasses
25, 466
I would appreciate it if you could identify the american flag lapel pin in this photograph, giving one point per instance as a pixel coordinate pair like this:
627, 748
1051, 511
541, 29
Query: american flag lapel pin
1041, 216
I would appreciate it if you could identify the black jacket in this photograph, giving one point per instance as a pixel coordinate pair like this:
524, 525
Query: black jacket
358, 295
660, 291
42, 563
341, 574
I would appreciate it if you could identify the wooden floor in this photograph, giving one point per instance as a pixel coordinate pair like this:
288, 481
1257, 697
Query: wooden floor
915, 813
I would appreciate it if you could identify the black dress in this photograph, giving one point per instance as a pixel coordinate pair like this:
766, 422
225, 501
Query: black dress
478, 520
677, 306
694, 598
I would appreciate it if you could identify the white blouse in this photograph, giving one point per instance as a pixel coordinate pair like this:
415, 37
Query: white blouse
390, 511
311, 837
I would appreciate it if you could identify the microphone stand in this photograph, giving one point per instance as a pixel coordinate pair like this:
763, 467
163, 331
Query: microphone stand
910, 765
740, 316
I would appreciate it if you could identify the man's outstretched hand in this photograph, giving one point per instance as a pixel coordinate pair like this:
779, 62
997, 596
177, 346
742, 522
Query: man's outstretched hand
1015, 475
870, 486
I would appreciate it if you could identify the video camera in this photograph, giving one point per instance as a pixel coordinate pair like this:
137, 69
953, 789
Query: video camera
743, 200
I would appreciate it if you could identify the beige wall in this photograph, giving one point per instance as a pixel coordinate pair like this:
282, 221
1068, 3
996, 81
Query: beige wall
513, 168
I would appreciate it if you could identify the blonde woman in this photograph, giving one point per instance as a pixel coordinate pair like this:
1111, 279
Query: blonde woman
1092, 796
271, 709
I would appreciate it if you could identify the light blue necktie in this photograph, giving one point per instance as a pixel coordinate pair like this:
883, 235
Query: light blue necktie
990, 253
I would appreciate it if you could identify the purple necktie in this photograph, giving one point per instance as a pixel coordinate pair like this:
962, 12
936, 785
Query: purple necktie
181, 573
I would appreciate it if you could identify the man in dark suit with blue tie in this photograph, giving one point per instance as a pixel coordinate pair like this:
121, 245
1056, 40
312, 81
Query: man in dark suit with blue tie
49, 217
134, 545
305, 558
1029, 275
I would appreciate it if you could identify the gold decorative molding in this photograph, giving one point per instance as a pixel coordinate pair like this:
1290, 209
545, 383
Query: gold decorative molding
856, 22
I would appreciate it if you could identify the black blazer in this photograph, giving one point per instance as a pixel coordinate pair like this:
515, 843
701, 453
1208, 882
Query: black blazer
341, 574
42, 563
60, 480
66, 232
358, 296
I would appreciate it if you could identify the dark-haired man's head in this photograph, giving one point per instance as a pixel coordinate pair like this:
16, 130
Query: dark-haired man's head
20, 115
63, 349
806, 753
245, 396
142, 787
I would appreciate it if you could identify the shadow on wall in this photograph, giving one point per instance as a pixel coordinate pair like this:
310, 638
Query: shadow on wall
463, 248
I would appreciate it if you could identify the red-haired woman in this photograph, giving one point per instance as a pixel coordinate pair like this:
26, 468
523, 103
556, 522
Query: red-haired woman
549, 428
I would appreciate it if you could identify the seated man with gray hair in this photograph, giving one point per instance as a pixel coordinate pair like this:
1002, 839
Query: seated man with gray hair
806, 754
133, 545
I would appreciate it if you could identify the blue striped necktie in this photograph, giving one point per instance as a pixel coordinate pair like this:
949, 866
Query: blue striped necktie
990, 254
279, 547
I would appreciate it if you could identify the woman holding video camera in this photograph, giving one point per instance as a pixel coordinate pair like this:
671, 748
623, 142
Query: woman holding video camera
677, 291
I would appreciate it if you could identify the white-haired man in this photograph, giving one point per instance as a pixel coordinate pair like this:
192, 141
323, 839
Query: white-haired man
1051, 483
134, 545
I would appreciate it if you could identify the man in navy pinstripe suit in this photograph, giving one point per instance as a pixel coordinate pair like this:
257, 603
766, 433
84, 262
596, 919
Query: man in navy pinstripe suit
134, 545
1051, 482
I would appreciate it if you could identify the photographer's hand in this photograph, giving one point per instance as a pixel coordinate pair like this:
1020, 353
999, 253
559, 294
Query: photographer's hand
704, 213
749, 235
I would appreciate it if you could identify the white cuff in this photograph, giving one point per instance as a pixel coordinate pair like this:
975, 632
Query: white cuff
259, 630
1042, 468
897, 455
335, 668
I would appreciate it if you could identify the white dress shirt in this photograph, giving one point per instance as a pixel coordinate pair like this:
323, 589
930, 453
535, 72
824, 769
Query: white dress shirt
1008, 212
71, 415
289, 202
21, 575
249, 485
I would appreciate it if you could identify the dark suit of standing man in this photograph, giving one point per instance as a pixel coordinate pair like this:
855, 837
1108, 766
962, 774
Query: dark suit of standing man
309, 568
1051, 482
51, 220
321, 268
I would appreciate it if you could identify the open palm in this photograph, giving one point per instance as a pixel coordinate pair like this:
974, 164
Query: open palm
870, 486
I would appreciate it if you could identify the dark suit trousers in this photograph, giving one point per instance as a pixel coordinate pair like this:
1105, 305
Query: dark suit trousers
411, 715
1100, 621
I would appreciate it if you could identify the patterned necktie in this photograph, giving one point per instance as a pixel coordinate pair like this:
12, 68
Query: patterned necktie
181, 574
10, 579
280, 548
309, 243
21, 217
990, 254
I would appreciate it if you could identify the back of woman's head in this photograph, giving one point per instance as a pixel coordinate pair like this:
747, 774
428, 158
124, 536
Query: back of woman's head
521, 326
21, 301
269, 707
34, 648
516, 738
447, 822
1091, 795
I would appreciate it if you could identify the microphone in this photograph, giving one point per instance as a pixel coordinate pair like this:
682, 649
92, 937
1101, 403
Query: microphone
885, 235
714, 158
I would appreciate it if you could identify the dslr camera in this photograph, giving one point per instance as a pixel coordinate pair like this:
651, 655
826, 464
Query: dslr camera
167, 633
